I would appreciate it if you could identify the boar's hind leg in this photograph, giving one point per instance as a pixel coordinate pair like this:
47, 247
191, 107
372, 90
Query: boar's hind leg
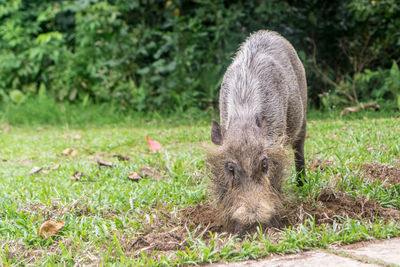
298, 147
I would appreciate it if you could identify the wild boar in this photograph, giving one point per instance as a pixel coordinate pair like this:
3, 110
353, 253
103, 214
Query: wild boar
262, 103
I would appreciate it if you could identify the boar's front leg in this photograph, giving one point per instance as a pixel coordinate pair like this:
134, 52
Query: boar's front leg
298, 147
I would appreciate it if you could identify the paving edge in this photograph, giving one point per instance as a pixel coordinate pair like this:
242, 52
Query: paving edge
363, 259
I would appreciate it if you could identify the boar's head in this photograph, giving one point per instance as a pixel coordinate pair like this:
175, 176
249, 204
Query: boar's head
247, 171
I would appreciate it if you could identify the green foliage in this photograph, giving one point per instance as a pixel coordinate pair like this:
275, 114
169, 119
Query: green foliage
392, 83
380, 84
171, 55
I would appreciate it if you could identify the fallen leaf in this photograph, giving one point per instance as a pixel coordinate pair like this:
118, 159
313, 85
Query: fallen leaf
35, 170
154, 145
134, 176
50, 228
335, 136
122, 158
67, 151
78, 176
103, 163
70, 151
147, 171
55, 167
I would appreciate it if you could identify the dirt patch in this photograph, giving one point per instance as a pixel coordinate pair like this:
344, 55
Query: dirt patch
170, 232
330, 206
204, 214
381, 172
321, 164
20, 254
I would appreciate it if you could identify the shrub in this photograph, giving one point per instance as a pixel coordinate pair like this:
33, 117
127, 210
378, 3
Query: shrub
171, 55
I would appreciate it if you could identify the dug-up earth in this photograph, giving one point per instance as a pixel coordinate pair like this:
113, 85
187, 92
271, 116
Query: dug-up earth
169, 232
383, 173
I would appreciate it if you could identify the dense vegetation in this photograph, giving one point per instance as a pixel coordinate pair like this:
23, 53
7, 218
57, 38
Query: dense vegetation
171, 55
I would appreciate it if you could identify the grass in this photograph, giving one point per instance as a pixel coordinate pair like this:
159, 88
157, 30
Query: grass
105, 215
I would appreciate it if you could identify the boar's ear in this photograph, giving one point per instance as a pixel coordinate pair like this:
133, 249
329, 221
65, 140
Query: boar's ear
216, 133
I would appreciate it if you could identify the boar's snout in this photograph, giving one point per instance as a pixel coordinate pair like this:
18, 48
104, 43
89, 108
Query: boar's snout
251, 213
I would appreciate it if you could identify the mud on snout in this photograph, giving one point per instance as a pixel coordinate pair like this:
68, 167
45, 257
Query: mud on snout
252, 202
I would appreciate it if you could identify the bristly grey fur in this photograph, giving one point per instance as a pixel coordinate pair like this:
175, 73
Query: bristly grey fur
262, 110
266, 80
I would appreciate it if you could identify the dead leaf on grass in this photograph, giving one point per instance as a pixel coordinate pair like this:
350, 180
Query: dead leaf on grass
55, 167
50, 228
154, 145
70, 151
147, 171
78, 176
134, 176
34, 170
122, 158
103, 163
43, 170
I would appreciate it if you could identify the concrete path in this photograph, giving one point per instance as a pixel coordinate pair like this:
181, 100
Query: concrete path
375, 253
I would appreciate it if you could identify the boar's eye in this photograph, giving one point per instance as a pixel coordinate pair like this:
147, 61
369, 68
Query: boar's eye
264, 165
230, 168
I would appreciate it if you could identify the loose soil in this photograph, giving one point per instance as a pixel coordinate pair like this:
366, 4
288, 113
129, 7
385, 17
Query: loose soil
330, 206
381, 172
170, 232
321, 164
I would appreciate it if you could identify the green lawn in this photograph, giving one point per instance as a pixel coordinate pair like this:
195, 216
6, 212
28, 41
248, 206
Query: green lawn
111, 219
